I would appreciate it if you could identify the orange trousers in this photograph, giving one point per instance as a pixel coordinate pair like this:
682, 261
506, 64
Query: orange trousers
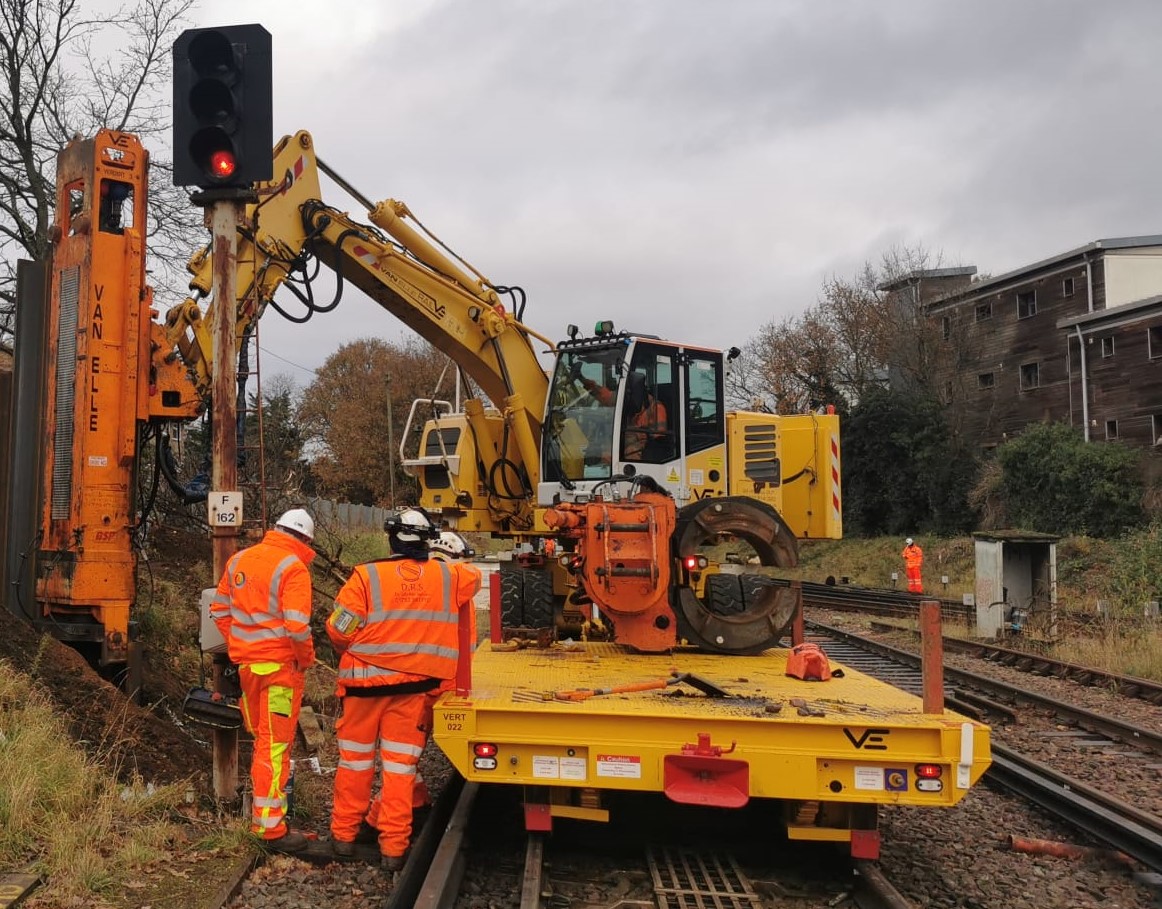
391, 726
272, 694
913, 573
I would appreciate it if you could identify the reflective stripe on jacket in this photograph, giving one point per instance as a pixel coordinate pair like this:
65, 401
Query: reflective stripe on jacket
395, 621
913, 556
263, 603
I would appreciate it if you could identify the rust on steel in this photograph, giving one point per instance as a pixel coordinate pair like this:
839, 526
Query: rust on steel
225, 216
932, 656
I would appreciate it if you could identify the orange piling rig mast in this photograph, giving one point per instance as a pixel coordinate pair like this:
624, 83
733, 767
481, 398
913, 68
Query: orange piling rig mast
106, 373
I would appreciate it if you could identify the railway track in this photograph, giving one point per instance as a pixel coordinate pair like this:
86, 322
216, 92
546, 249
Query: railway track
1124, 826
882, 601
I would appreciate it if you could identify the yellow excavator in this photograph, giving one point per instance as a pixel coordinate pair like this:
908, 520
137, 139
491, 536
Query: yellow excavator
617, 472
560, 454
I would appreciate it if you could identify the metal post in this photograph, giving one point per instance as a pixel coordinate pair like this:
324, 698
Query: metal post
225, 216
931, 656
390, 445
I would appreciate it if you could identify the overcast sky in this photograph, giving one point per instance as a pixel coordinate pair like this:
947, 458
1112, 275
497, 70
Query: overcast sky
695, 169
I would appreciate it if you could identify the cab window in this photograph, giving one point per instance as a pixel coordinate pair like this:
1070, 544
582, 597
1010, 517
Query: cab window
648, 423
705, 427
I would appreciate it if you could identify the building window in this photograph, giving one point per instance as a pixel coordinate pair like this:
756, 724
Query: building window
984, 311
1030, 376
1107, 347
1026, 304
946, 327
1155, 342
1067, 287
1111, 429
985, 380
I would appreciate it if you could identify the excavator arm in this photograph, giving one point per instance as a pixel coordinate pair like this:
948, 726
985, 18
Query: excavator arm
446, 302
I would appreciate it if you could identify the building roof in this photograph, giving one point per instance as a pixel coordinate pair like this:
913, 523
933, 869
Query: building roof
1115, 316
1014, 276
1016, 536
1081, 251
922, 273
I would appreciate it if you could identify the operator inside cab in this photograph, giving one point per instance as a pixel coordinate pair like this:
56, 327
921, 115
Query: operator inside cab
586, 434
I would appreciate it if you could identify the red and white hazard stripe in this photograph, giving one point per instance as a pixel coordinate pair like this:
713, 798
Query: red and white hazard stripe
836, 501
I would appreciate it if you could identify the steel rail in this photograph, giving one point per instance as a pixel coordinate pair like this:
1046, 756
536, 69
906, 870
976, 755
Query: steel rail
432, 875
1107, 726
1126, 685
1121, 825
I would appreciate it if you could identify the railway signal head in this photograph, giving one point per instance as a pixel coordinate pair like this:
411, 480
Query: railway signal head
222, 119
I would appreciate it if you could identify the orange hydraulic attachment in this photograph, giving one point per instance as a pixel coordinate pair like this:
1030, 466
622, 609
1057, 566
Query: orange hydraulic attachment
809, 663
107, 370
623, 555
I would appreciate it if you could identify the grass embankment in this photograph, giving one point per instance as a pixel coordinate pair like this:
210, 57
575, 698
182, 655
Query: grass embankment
63, 814
1114, 579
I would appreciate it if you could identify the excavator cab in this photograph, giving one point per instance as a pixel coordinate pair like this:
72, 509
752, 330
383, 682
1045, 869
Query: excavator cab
623, 404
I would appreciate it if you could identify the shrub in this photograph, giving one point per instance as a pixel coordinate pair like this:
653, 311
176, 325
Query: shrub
1054, 481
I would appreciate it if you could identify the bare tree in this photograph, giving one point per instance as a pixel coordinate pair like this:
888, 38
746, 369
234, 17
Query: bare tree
68, 68
864, 332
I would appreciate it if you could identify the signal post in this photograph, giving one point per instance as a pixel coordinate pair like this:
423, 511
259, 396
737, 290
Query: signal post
223, 133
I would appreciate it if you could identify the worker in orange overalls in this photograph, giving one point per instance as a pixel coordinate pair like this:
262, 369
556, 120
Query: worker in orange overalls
646, 416
452, 548
913, 561
395, 628
263, 609
646, 420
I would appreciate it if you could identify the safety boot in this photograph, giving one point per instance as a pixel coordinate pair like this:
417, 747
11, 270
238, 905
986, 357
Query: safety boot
393, 864
345, 852
291, 842
366, 833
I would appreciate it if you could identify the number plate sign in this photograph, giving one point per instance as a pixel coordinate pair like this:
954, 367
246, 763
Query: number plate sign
14, 887
225, 509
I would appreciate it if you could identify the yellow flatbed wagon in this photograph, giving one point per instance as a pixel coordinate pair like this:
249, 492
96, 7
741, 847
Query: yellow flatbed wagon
831, 751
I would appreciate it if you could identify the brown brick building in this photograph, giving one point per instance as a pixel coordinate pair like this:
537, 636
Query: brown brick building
1075, 338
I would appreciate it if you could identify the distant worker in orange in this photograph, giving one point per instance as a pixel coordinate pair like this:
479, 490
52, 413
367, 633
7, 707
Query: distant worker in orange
647, 419
263, 609
913, 562
395, 628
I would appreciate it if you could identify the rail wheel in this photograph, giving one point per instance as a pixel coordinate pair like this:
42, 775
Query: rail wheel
740, 615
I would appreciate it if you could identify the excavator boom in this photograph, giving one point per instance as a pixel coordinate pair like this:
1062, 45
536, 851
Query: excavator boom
453, 307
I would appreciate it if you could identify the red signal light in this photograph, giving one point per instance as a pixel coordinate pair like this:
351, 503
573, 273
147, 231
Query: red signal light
691, 562
929, 771
484, 749
222, 164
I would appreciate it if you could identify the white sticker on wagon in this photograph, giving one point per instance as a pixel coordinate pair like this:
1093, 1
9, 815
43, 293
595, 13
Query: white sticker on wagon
623, 766
573, 768
869, 778
546, 768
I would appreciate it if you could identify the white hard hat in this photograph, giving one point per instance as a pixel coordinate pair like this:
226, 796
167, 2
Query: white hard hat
409, 526
908, 542
451, 544
298, 520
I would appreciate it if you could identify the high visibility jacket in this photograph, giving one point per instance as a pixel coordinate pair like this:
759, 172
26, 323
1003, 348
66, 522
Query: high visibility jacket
913, 556
467, 586
395, 621
263, 603
648, 423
